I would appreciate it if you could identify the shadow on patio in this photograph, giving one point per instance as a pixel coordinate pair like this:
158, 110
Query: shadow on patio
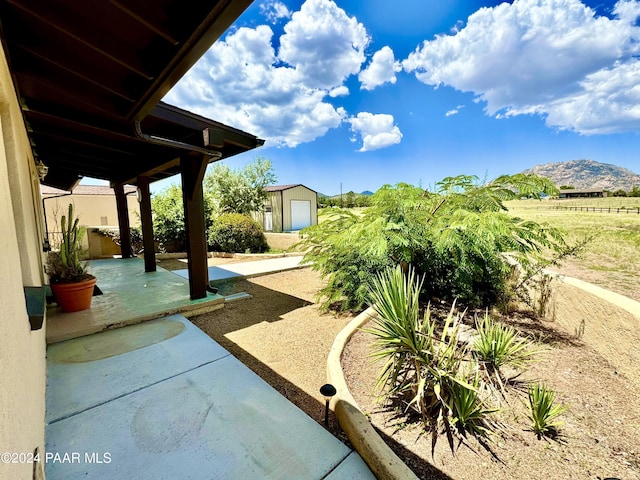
160, 399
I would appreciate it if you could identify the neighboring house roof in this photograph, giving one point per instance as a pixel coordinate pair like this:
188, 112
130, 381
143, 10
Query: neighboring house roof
582, 190
85, 190
280, 188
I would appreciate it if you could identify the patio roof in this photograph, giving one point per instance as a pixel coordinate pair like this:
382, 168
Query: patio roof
90, 75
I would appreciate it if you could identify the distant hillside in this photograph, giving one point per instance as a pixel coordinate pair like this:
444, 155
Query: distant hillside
588, 174
366, 193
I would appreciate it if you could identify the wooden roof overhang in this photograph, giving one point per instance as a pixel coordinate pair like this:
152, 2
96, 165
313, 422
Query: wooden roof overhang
89, 76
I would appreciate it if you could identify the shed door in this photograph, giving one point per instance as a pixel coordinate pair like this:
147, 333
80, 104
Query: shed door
268, 219
300, 214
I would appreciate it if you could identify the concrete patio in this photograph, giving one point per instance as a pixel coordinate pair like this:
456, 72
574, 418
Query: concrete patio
129, 296
160, 399
249, 269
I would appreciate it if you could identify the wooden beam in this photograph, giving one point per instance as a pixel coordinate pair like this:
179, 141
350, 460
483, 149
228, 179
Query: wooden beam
123, 221
153, 171
144, 19
53, 56
147, 225
192, 168
76, 27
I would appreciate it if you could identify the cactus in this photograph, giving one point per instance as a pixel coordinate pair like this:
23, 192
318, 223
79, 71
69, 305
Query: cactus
66, 266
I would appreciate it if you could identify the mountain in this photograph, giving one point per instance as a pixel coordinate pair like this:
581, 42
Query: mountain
587, 174
366, 193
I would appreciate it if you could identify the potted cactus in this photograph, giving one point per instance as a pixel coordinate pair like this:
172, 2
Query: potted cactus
70, 283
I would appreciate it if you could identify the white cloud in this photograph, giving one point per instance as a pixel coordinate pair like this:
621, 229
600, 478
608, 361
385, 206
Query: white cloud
555, 58
324, 44
279, 96
340, 91
454, 111
382, 69
274, 11
377, 131
608, 102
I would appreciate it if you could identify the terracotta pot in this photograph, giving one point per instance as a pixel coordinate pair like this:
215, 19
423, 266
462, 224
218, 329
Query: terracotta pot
73, 297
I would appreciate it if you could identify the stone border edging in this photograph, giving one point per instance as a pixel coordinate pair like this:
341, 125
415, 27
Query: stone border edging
382, 461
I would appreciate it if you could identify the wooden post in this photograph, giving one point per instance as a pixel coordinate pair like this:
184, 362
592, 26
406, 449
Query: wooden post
192, 168
123, 221
147, 225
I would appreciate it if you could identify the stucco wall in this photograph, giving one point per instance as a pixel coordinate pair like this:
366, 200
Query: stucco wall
22, 352
90, 209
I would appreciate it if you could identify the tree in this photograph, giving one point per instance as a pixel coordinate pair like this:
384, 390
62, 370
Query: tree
456, 236
239, 191
168, 218
350, 200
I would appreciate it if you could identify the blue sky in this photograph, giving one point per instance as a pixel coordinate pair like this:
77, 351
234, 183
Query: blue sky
365, 93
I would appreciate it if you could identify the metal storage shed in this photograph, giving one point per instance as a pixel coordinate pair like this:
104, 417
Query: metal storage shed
288, 208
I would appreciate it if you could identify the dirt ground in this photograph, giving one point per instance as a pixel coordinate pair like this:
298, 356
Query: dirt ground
600, 438
591, 361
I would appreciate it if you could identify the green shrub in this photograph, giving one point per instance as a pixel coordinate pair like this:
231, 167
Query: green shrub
232, 232
456, 236
137, 245
427, 371
499, 345
543, 411
168, 218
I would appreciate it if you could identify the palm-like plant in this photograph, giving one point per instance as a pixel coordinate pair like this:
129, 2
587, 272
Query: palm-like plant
425, 369
543, 411
497, 346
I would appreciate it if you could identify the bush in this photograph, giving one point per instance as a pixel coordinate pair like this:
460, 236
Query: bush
232, 232
168, 218
427, 371
543, 411
137, 245
455, 236
499, 345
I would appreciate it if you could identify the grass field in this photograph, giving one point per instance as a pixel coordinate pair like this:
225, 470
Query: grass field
612, 258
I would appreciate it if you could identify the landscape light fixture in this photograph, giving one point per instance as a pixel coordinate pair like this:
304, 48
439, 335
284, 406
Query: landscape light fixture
327, 391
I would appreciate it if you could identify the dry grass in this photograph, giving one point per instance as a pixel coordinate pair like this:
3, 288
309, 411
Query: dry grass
611, 258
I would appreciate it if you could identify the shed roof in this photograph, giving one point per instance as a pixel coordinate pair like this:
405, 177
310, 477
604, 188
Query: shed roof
86, 72
279, 188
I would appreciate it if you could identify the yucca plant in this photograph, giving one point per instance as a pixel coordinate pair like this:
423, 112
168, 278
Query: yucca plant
424, 369
497, 346
400, 335
471, 412
543, 411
